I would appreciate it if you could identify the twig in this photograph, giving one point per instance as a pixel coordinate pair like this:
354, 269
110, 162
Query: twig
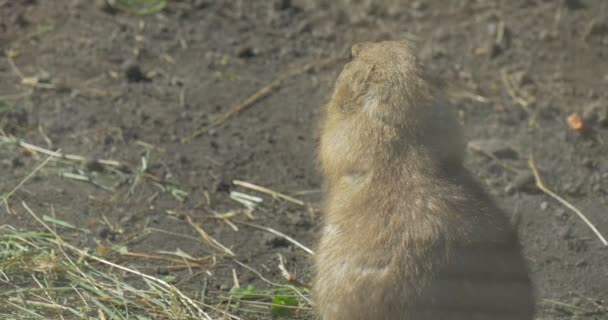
280, 234
495, 158
208, 238
29, 176
263, 92
542, 187
288, 275
511, 91
57, 154
257, 273
14, 68
273, 193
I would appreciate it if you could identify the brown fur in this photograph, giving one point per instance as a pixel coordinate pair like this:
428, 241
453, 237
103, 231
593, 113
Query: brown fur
408, 233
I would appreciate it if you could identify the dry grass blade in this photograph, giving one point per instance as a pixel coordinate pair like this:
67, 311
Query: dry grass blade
511, 90
495, 158
263, 92
288, 275
214, 243
22, 182
184, 300
273, 193
280, 234
542, 187
57, 154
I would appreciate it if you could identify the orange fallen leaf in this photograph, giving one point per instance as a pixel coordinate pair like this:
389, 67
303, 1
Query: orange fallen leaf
575, 121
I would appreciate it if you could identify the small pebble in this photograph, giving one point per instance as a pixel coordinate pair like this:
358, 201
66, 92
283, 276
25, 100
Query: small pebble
544, 205
134, 73
246, 52
16, 162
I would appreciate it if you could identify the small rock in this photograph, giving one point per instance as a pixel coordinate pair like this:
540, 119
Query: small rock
246, 52
282, 4
589, 163
574, 4
277, 242
16, 162
544, 205
93, 166
497, 147
200, 4
106, 233
133, 73
105, 6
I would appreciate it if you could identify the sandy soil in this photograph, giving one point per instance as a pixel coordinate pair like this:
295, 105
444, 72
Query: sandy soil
123, 87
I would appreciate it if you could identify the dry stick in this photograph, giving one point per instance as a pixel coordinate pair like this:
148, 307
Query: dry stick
14, 67
57, 154
157, 257
76, 158
542, 187
495, 158
263, 92
29, 176
288, 275
511, 91
273, 193
162, 283
280, 234
208, 238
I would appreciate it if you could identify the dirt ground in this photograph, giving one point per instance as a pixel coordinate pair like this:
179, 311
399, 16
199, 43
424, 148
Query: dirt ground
109, 85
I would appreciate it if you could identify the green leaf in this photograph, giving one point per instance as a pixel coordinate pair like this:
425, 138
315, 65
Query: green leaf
139, 7
279, 301
243, 293
5, 105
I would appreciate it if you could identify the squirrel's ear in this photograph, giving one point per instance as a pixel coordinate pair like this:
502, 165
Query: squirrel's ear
362, 79
355, 49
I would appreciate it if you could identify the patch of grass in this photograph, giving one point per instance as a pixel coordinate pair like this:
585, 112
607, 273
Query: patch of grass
5, 106
44, 277
138, 7
283, 301
109, 175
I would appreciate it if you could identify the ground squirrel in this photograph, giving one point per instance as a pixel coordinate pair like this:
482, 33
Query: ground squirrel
408, 233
